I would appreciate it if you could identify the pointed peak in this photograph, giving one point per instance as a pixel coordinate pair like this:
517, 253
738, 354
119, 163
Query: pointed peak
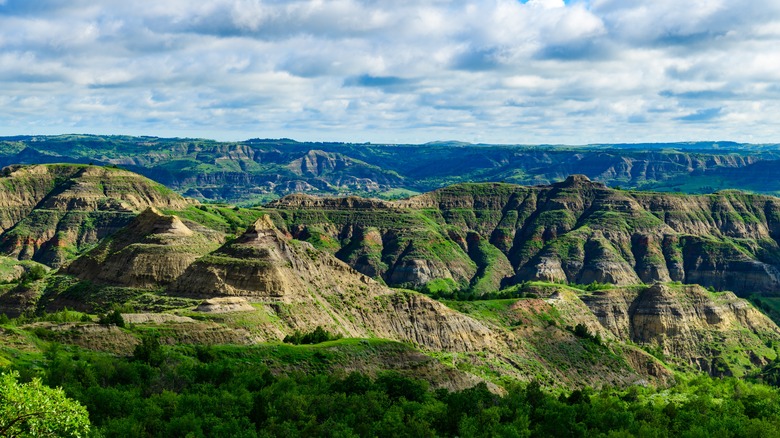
151, 211
263, 223
159, 223
658, 288
262, 230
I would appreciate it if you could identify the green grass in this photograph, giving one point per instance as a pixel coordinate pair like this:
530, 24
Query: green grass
397, 193
497, 311
231, 220
8, 267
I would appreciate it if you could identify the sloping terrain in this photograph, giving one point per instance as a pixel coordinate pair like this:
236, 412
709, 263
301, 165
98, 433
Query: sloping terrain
189, 279
306, 288
715, 332
294, 287
152, 251
480, 236
52, 212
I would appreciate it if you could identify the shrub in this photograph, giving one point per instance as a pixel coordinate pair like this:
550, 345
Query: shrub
581, 331
317, 336
112, 318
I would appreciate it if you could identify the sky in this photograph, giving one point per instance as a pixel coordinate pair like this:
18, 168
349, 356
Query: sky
400, 71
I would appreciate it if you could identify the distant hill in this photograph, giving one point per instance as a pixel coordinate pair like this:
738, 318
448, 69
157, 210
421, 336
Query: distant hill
259, 170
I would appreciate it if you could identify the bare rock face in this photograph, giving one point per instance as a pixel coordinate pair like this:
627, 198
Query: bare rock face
417, 272
306, 287
151, 251
49, 212
575, 231
714, 332
337, 170
425, 322
293, 286
299, 201
225, 305
155, 318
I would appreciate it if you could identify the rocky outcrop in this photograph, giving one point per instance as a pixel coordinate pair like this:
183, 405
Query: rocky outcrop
293, 286
48, 213
225, 305
305, 288
715, 332
155, 318
304, 201
575, 231
244, 171
150, 252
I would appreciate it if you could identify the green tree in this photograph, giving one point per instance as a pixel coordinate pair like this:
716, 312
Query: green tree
112, 317
149, 350
35, 410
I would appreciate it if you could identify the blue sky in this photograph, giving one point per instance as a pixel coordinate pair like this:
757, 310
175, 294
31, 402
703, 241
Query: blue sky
500, 71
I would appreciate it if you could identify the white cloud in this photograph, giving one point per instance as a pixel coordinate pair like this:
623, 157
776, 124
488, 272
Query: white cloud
547, 4
496, 70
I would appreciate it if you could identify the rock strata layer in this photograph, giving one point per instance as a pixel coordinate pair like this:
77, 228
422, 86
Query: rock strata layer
575, 231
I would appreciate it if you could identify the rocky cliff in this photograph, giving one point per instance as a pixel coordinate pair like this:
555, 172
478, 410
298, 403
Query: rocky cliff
265, 283
259, 169
294, 286
714, 332
305, 287
576, 231
48, 213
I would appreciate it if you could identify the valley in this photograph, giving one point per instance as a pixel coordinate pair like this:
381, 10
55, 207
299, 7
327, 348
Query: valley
570, 285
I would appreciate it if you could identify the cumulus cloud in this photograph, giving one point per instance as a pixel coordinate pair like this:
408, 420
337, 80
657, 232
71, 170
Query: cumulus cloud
369, 70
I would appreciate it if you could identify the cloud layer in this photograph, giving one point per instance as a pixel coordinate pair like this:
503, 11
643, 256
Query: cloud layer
402, 71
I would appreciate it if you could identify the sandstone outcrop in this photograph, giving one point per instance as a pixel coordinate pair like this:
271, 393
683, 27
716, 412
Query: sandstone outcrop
305, 287
715, 332
293, 286
50, 212
575, 231
152, 251
224, 305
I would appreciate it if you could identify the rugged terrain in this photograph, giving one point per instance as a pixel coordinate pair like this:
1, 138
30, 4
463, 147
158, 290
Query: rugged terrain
152, 251
208, 274
50, 213
257, 170
484, 236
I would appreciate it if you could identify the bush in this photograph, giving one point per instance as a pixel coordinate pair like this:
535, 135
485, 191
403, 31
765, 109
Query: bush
317, 336
112, 318
32, 274
581, 331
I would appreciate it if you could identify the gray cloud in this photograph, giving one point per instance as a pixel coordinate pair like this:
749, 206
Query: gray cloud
483, 70
701, 115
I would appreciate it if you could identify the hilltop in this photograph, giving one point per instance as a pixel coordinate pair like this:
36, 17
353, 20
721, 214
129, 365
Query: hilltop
49, 213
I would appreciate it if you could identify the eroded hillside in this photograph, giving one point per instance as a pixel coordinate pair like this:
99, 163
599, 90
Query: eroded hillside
257, 170
202, 274
49, 213
482, 236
